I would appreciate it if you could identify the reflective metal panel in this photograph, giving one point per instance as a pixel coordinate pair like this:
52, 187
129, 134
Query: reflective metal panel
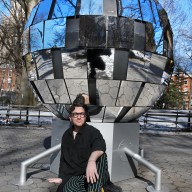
150, 94
76, 86
139, 36
44, 64
98, 115
111, 113
72, 33
92, 31
58, 90
64, 8
150, 38
169, 66
107, 91
25, 42
43, 89
43, 11
36, 37
30, 66
147, 14
120, 68
134, 113
31, 17
127, 93
59, 110
120, 32
74, 64
110, 7
55, 33
157, 66
136, 66
100, 63
168, 43
130, 9
91, 7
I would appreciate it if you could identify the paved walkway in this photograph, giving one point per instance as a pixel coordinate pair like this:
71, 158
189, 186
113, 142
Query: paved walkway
170, 152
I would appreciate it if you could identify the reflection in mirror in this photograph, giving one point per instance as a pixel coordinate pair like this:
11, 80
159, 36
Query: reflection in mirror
30, 66
127, 93
44, 64
100, 63
74, 64
150, 39
58, 90
130, 9
136, 66
92, 31
55, 33
149, 94
107, 91
98, 116
134, 113
25, 38
120, 32
110, 7
158, 31
76, 86
111, 114
43, 11
157, 66
169, 66
139, 36
43, 89
147, 14
59, 110
72, 33
165, 78
168, 43
91, 7
30, 19
36, 37
64, 8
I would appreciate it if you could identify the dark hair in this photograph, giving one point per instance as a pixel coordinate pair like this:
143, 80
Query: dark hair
79, 100
72, 108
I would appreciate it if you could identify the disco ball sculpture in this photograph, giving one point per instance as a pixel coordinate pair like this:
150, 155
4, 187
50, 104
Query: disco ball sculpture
118, 52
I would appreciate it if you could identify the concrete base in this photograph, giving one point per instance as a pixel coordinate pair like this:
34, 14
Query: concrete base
116, 135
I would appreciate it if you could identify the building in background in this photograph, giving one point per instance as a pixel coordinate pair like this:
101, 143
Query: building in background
184, 83
7, 80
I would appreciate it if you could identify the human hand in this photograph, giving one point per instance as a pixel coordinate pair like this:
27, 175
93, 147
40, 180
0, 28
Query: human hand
55, 180
91, 172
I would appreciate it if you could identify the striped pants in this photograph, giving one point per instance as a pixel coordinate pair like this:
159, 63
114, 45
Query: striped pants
79, 183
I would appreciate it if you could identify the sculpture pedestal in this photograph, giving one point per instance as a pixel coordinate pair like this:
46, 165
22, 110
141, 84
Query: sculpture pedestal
117, 136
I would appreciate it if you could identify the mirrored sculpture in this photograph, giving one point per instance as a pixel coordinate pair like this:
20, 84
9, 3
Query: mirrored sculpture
118, 52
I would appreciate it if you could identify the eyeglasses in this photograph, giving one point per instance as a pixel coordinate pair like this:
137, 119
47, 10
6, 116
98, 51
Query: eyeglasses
75, 115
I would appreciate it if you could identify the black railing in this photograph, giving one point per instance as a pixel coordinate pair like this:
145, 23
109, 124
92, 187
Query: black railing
24, 115
178, 120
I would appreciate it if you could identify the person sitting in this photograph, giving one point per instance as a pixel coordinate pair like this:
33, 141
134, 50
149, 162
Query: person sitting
83, 162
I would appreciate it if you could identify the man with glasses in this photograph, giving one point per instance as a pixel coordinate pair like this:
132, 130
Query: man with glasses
83, 162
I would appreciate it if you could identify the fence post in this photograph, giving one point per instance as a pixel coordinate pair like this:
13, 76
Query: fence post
27, 116
176, 119
145, 120
189, 121
39, 118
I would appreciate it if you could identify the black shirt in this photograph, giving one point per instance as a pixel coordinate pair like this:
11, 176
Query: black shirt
76, 152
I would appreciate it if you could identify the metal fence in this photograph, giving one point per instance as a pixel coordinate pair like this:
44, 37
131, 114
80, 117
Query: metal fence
22, 115
178, 120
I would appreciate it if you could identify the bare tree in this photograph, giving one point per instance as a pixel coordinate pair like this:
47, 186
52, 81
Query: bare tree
179, 16
13, 18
